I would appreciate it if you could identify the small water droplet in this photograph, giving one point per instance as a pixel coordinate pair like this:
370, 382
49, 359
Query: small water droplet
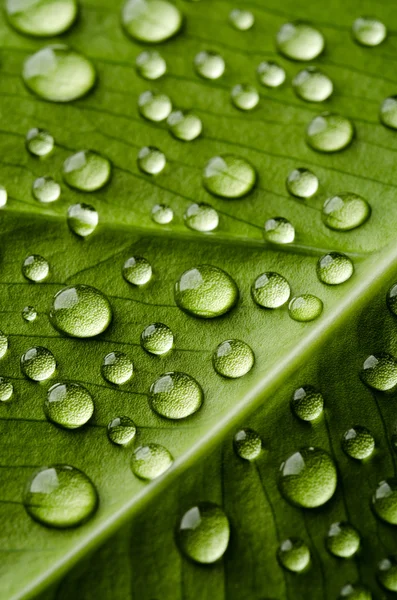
355, 592
3, 196
380, 372
38, 363
117, 368
82, 219
60, 496
388, 112
346, 211
329, 132
358, 442
46, 190
150, 64
157, 339
3, 344
35, 268
343, 540
307, 403
368, 32
302, 183
39, 142
270, 290
87, 171
384, 500
241, 19
29, 314
162, 214
201, 217
233, 359
308, 478
270, 74
229, 176
137, 270
387, 573
41, 18
151, 21
184, 126
154, 106
6, 389
206, 291
300, 41
247, 444
203, 533
58, 74
121, 430
279, 230
305, 307
69, 405
244, 97
80, 311
151, 461
175, 395
334, 268
151, 160
209, 65
312, 85
294, 555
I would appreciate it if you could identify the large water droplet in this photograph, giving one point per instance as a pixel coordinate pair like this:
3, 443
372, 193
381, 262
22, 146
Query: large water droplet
368, 32
206, 292
184, 126
137, 270
201, 217
229, 176
388, 112
209, 65
58, 74
151, 160
151, 21
384, 500
46, 190
3, 196
203, 533
162, 214
151, 461
343, 540
380, 372
82, 219
175, 395
60, 496
334, 268
279, 230
38, 363
307, 403
29, 314
387, 573
69, 405
270, 290
247, 444
3, 344
157, 339
6, 389
294, 555
35, 268
87, 171
117, 368
305, 307
329, 132
80, 311
244, 97
150, 64
233, 359
41, 18
121, 430
154, 106
346, 211
300, 41
358, 442
241, 19
39, 142
355, 592
302, 183
308, 478
312, 85
270, 74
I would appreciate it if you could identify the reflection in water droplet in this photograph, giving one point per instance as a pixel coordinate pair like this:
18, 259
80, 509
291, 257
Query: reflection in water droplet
151, 160
387, 573
150, 64
58, 74
302, 183
270, 74
247, 444
384, 500
60, 496
358, 442
157, 339
307, 403
151, 461
82, 219
3, 196
29, 314
69, 405
151, 21
343, 540
39, 142
41, 18
38, 363
203, 533
209, 65
137, 270
6, 389
355, 592
121, 430
346, 211
184, 126
388, 112
201, 217
244, 97
294, 555
117, 368
206, 291
46, 190
329, 132
380, 372
175, 395
270, 290
3, 344
368, 32
279, 230
80, 311
334, 268
162, 214
87, 171
229, 176
233, 359
305, 307
300, 41
35, 268
241, 19
312, 85
154, 106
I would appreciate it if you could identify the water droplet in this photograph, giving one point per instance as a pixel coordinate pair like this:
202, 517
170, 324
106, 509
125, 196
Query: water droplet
38, 363
334, 268
157, 339
368, 32
151, 160
300, 41
117, 368
241, 19
229, 176
184, 126
388, 112
384, 500
270, 290
380, 372
82, 219
41, 18
302, 183
203, 533
121, 430
80, 311
60, 496
294, 555
137, 270
308, 478
244, 97
307, 403
329, 132
162, 214
270, 74
279, 230
209, 65
58, 74
206, 292
69, 405
201, 217
151, 21
151, 461
3, 196
150, 64
46, 190
247, 444
355, 592
391, 299
233, 359
35, 268
175, 395
312, 85
87, 171
6, 389
343, 540
154, 106
39, 142
29, 314
346, 211
305, 307
3, 344
358, 442
387, 573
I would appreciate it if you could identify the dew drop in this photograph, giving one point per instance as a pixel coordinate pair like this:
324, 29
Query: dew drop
35, 268
39, 142
150, 64
384, 501
157, 339
312, 85
69, 405
80, 311
300, 41
229, 176
38, 363
60, 496
6, 389
279, 230
270, 74
121, 430
380, 372
58, 74
391, 299
302, 183
270, 290
203, 533
388, 112
3, 344
151, 160
294, 555
387, 573
343, 540
247, 444
244, 97
29, 314
117, 368
358, 442
329, 132
184, 126
137, 270
46, 190
162, 214
154, 106
151, 21
41, 18
201, 217
87, 171
308, 478
82, 219
206, 291
334, 268
368, 32
305, 307
151, 461
3, 196
175, 395
209, 65
355, 592
233, 359
307, 403
346, 211
241, 19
